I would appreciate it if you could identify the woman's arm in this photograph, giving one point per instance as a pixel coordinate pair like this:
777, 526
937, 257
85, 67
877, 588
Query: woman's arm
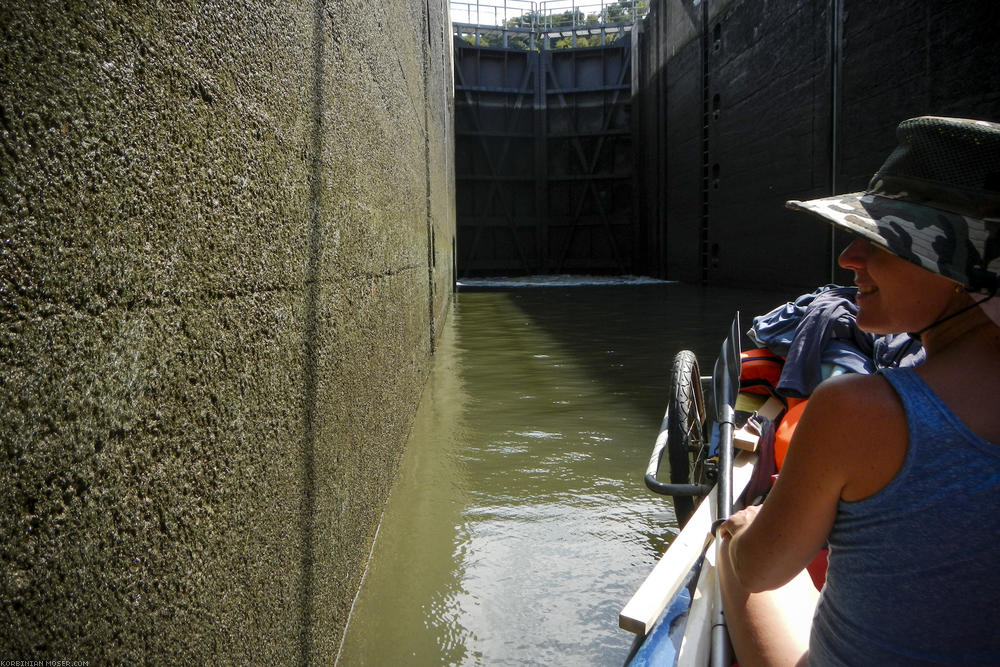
849, 444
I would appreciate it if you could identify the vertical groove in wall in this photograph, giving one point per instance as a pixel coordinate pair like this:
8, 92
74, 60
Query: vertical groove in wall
427, 175
659, 67
836, 43
703, 230
928, 88
662, 165
310, 353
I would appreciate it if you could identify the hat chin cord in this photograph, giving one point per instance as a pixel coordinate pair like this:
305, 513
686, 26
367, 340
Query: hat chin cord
944, 319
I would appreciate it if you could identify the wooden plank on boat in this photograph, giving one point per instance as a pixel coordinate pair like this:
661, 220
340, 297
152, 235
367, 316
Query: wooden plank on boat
745, 439
660, 586
771, 409
696, 644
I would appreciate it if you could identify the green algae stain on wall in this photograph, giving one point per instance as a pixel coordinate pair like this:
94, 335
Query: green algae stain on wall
166, 178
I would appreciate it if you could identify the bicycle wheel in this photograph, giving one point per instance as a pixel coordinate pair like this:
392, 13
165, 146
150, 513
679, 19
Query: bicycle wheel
686, 442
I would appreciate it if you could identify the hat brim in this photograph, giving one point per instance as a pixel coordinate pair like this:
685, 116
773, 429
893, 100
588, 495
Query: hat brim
926, 236
844, 211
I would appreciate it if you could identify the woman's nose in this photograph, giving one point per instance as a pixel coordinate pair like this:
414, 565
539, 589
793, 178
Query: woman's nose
854, 255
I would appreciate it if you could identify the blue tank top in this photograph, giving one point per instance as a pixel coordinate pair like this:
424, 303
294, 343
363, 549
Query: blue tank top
914, 575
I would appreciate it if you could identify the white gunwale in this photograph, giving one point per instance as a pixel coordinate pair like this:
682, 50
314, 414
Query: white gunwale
666, 578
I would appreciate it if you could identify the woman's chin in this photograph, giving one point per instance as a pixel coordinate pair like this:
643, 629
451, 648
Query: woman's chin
876, 325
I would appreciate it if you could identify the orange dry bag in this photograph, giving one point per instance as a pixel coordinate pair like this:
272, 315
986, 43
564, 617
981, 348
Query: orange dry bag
783, 434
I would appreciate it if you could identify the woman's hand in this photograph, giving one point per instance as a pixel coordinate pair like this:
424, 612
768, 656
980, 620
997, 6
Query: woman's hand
738, 521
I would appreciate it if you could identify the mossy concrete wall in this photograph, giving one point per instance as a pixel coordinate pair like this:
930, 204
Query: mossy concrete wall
226, 233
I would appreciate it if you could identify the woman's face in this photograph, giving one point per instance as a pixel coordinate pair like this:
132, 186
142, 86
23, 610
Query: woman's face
894, 296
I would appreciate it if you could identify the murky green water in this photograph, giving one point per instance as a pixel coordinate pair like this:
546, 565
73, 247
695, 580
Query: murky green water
519, 525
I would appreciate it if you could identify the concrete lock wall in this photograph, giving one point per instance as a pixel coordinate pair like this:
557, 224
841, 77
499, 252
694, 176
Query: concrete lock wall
744, 104
226, 236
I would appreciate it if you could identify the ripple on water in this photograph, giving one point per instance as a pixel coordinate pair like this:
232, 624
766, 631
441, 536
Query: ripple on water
522, 525
539, 435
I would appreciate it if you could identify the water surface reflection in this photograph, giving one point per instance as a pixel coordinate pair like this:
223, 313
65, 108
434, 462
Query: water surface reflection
519, 524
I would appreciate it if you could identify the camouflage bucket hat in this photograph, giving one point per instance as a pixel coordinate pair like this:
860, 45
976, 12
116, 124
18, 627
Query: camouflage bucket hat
935, 201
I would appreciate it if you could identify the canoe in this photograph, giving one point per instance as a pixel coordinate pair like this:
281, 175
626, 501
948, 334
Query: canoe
671, 611
675, 614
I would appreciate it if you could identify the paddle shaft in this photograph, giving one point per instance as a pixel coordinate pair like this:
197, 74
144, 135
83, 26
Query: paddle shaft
726, 428
720, 636
727, 378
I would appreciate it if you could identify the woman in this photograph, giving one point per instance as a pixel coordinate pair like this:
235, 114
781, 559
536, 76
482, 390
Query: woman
899, 473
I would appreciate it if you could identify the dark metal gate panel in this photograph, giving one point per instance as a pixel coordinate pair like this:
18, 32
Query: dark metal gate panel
495, 162
591, 226
544, 160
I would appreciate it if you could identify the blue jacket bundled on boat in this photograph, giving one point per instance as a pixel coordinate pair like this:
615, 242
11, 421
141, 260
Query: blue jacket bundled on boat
818, 334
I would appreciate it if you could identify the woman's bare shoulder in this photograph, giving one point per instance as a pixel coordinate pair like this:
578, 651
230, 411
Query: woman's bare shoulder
863, 424
857, 395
